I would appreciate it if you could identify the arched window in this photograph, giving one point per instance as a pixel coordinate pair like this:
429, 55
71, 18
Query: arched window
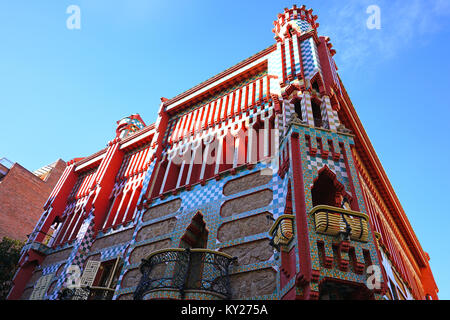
315, 87
298, 108
327, 190
317, 114
317, 84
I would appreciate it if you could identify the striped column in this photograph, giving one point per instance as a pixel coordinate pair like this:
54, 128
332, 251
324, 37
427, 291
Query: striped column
252, 147
307, 113
333, 121
287, 57
297, 66
324, 115
280, 65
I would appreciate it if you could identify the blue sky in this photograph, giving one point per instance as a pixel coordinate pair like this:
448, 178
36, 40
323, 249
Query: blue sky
62, 91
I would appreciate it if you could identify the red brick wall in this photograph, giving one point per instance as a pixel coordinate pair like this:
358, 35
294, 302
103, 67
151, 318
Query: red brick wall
22, 197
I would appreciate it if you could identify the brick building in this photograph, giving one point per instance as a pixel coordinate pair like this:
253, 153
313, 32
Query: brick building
259, 183
22, 196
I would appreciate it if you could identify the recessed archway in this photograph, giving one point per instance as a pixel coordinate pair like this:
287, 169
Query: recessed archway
196, 234
327, 190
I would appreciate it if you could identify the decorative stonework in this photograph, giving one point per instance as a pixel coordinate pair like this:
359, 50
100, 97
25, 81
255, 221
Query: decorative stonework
156, 229
246, 182
56, 257
240, 228
252, 284
161, 210
246, 203
142, 252
250, 252
131, 278
114, 239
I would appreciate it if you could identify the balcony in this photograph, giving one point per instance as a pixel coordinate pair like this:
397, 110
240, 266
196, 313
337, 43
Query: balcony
339, 222
39, 246
87, 293
180, 273
36, 246
282, 231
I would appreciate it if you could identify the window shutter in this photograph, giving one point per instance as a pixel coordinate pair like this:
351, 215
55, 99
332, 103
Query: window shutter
87, 279
41, 286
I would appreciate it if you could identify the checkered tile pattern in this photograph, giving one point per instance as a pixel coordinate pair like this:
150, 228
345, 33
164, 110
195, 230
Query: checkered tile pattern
297, 66
50, 269
275, 66
310, 58
200, 195
264, 107
85, 243
78, 254
113, 252
288, 109
338, 167
303, 25
279, 187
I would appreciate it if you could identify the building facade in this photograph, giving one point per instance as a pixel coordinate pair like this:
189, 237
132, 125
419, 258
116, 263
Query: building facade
259, 183
22, 196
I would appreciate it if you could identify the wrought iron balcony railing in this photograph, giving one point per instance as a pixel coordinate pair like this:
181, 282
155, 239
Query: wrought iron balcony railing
40, 246
186, 269
337, 221
87, 293
37, 246
100, 293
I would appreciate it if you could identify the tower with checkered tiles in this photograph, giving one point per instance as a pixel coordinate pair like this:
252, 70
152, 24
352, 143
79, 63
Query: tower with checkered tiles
259, 183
